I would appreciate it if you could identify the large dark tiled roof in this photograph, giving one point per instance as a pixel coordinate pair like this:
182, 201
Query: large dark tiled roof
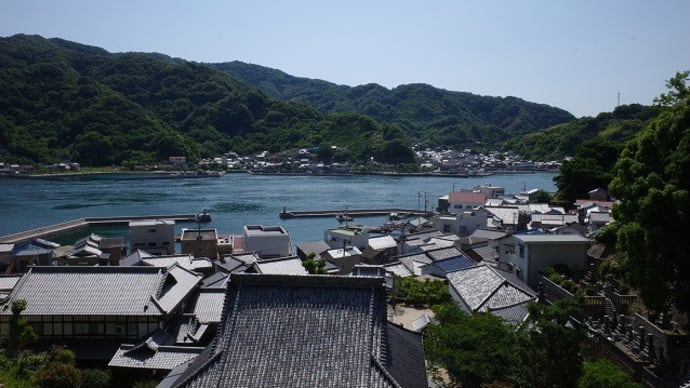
302, 331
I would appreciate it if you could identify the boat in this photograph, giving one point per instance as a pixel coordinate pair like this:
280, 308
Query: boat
204, 216
342, 217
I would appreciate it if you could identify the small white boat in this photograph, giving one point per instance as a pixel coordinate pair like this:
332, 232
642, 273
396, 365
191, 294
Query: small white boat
342, 217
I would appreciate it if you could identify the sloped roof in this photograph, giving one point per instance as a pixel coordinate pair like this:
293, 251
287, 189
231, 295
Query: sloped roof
488, 234
483, 289
314, 330
134, 258
160, 358
186, 261
283, 265
133, 291
383, 242
444, 253
315, 247
466, 197
208, 306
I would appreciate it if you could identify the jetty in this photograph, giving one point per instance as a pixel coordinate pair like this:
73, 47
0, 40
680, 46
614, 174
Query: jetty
287, 214
69, 226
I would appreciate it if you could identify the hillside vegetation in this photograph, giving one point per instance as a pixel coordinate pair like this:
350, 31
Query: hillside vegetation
66, 101
431, 116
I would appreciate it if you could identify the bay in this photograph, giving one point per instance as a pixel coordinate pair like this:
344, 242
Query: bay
234, 200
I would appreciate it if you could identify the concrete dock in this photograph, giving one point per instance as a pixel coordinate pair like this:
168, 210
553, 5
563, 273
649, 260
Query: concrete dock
287, 214
52, 230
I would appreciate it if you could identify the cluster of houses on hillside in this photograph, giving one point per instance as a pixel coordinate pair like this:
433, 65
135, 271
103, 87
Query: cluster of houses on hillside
203, 309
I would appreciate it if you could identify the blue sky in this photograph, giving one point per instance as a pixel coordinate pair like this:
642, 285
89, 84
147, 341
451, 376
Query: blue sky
573, 54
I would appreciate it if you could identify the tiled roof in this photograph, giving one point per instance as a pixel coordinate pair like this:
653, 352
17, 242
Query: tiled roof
454, 263
186, 261
283, 265
216, 280
468, 197
398, 269
7, 282
208, 306
488, 234
134, 258
160, 358
444, 253
133, 291
315, 247
482, 288
301, 331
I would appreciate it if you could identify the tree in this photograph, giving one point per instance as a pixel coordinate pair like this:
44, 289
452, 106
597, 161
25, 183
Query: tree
549, 348
21, 334
314, 265
474, 349
604, 374
652, 183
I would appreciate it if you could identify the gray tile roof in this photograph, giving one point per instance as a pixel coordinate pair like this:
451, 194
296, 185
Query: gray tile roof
482, 288
283, 265
7, 282
158, 358
444, 253
133, 291
300, 331
208, 306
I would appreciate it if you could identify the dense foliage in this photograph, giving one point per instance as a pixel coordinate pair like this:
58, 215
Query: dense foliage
604, 374
595, 144
567, 139
62, 101
413, 292
427, 114
652, 182
482, 349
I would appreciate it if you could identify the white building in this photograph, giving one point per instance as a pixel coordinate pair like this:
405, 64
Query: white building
462, 224
267, 241
341, 237
153, 236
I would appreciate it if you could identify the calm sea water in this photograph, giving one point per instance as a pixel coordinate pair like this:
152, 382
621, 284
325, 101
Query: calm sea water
234, 200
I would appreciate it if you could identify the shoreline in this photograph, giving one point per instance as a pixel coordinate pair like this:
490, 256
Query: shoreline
179, 175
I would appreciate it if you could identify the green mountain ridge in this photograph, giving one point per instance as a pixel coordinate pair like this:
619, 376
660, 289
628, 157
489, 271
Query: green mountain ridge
61, 100
427, 114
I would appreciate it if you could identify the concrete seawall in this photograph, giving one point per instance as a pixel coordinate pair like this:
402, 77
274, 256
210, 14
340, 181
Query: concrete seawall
57, 229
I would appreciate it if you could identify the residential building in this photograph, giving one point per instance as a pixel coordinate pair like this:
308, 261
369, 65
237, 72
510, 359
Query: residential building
92, 306
462, 223
267, 241
530, 254
482, 288
342, 236
199, 242
154, 236
459, 201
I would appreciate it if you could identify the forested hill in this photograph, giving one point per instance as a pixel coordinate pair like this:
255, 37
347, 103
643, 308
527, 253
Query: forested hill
431, 115
62, 101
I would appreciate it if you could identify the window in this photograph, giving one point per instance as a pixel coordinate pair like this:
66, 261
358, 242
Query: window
522, 250
446, 228
153, 230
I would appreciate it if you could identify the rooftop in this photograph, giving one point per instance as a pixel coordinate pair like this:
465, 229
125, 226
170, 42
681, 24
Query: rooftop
133, 291
307, 331
551, 238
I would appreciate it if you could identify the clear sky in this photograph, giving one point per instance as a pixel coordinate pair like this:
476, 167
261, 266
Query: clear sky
573, 54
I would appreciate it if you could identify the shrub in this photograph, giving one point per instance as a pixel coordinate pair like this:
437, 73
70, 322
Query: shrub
58, 375
95, 378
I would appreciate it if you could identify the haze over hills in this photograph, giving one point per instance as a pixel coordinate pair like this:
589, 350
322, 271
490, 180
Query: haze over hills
62, 100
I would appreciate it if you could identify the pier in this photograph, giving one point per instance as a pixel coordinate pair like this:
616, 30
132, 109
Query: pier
80, 223
287, 214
